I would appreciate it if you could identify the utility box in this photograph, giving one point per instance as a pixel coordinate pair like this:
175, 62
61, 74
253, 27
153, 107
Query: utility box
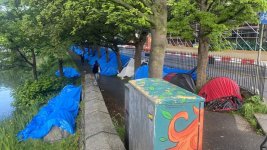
161, 116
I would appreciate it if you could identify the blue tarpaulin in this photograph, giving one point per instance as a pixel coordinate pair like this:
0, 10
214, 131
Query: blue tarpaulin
61, 111
107, 68
142, 72
76, 49
69, 72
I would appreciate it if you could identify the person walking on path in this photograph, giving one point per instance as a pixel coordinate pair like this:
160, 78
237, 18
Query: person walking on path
82, 55
96, 69
82, 59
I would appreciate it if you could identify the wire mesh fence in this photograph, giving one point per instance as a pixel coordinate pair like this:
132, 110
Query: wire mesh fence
246, 72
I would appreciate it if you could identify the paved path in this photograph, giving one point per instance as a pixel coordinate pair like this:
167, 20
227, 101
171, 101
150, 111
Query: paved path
223, 132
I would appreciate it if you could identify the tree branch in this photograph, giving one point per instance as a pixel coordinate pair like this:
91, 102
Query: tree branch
128, 6
231, 16
145, 3
210, 6
24, 57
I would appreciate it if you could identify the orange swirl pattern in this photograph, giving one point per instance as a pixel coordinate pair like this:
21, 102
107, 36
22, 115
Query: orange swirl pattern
191, 137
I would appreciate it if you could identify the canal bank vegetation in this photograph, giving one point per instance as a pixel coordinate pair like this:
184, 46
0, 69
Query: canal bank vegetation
29, 97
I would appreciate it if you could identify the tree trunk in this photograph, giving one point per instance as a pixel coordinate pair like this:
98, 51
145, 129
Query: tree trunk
202, 61
203, 51
107, 54
60, 67
139, 44
118, 56
34, 68
138, 55
158, 34
98, 52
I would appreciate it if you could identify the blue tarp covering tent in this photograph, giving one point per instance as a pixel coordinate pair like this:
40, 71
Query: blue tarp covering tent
61, 111
111, 68
69, 72
107, 68
142, 72
76, 49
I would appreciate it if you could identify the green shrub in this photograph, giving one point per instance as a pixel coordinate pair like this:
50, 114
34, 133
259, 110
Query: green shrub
251, 106
36, 92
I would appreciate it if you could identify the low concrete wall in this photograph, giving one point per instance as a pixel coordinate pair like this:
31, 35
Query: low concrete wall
99, 132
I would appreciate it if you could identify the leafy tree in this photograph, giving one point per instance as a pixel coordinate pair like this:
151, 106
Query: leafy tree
214, 17
18, 40
95, 18
155, 13
135, 28
55, 27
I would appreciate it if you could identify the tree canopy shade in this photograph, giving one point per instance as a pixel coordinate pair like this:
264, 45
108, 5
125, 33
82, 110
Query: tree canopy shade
107, 24
19, 34
49, 27
155, 13
214, 18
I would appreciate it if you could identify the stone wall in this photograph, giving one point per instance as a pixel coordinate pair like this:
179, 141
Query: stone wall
99, 132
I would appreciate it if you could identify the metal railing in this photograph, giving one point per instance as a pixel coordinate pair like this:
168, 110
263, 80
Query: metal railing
246, 72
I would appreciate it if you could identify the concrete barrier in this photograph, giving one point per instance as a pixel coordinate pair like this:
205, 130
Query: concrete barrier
99, 132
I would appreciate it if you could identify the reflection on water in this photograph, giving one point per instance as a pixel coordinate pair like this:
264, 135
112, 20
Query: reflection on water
5, 102
9, 80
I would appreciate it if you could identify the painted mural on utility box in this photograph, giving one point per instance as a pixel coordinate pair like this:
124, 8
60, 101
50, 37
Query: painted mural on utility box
177, 117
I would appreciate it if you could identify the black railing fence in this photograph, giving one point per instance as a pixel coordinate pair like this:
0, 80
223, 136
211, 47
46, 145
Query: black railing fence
246, 72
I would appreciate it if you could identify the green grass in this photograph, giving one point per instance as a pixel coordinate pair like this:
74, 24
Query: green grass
251, 106
118, 122
10, 127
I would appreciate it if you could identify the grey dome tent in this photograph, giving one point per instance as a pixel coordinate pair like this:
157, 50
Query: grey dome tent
182, 80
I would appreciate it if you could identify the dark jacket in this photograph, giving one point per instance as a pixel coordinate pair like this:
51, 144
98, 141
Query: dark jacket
95, 68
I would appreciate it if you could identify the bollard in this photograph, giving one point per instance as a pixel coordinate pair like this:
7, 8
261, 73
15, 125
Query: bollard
160, 115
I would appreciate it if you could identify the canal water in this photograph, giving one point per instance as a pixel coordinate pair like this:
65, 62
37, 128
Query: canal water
6, 99
9, 80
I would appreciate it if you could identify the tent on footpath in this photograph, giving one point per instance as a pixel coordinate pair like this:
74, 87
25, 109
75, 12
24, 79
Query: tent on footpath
128, 70
183, 80
142, 72
221, 94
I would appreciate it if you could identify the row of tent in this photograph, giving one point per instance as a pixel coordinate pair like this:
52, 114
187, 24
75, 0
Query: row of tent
221, 93
109, 68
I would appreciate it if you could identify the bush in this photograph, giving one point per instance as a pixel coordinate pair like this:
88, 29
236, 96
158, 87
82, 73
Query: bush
36, 92
251, 106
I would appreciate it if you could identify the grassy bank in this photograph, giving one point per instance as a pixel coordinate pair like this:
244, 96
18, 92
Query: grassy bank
29, 98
